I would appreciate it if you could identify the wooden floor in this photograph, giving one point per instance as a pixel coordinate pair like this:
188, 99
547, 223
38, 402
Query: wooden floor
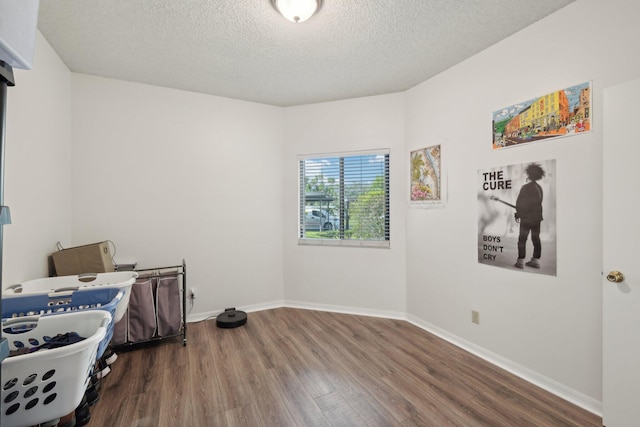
291, 367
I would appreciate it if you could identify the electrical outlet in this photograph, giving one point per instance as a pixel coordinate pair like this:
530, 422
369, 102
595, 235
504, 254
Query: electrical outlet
192, 293
475, 317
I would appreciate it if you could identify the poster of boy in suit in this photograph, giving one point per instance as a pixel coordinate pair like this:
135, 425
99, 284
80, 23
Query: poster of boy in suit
517, 217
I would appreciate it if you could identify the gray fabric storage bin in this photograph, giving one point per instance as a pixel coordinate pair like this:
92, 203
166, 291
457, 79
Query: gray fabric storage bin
142, 313
121, 330
168, 306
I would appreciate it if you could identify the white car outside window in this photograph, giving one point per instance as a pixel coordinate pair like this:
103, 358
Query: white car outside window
320, 219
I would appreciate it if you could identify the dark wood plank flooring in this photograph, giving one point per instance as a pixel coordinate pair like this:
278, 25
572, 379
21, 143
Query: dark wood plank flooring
292, 367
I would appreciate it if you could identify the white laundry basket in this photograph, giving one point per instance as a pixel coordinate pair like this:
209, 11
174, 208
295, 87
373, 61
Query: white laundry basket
48, 384
62, 285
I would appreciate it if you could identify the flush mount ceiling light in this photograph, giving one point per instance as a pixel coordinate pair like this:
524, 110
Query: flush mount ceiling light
296, 10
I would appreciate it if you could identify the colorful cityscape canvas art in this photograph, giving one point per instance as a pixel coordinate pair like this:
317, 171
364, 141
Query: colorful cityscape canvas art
561, 113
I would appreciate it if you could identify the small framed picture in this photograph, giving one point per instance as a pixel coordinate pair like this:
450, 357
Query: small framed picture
428, 180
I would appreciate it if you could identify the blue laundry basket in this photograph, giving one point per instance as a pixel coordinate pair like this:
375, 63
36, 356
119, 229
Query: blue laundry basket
80, 282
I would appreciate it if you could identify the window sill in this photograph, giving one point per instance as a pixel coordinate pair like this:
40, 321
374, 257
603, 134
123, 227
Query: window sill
380, 244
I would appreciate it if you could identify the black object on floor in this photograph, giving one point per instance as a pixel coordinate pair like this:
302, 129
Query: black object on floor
91, 395
231, 318
83, 414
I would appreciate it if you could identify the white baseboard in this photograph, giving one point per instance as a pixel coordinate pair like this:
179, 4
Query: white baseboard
198, 317
345, 310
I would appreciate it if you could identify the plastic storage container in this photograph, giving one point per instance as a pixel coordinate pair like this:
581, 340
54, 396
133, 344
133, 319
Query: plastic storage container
106, 299
81, 282
48, 384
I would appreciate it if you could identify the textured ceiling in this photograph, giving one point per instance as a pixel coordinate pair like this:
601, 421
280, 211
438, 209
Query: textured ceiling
243, 49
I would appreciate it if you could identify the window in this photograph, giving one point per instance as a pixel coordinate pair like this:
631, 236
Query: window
344, 199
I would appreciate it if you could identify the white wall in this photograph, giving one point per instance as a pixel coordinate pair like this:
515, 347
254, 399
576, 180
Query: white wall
168, 175
551, 326
37, 165
362, 279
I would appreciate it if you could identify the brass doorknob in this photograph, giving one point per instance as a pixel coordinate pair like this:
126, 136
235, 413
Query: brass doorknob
615, 277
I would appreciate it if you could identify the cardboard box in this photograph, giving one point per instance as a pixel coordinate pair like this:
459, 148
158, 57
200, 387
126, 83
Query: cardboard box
93, 258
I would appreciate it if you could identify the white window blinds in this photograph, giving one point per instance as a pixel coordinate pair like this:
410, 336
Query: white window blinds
345, 198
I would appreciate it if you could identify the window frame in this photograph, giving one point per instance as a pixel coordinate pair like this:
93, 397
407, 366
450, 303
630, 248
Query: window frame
341, 241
